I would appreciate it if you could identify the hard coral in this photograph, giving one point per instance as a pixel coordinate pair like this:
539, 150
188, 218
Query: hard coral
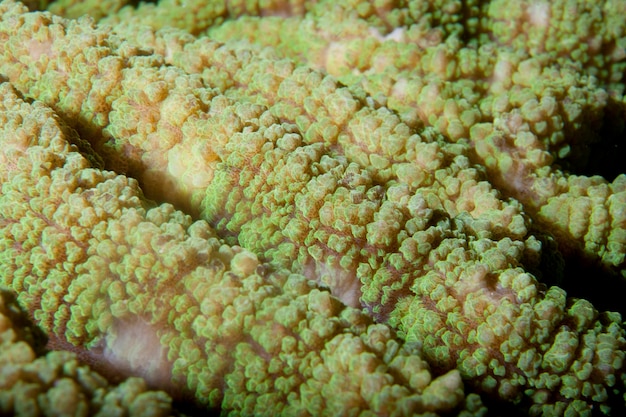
140, 289
412, 181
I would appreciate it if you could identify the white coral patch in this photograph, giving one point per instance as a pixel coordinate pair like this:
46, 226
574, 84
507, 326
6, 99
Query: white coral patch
133, 348
539, 14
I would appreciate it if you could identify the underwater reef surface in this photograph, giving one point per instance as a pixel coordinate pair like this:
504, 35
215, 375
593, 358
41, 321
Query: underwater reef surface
313, 208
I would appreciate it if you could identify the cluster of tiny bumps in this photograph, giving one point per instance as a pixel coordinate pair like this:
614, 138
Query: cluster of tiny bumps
312, 208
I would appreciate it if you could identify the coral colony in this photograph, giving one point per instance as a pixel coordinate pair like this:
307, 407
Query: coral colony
312, 208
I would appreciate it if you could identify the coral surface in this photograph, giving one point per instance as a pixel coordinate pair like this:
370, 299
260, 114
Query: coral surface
220, 197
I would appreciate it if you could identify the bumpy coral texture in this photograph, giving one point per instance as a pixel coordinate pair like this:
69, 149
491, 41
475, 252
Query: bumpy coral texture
56, 384
420, 160
140, 289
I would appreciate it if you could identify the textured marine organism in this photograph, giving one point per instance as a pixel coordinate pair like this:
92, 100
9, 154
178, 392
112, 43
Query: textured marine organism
328, 181
534, 86
140, 289
56, 384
